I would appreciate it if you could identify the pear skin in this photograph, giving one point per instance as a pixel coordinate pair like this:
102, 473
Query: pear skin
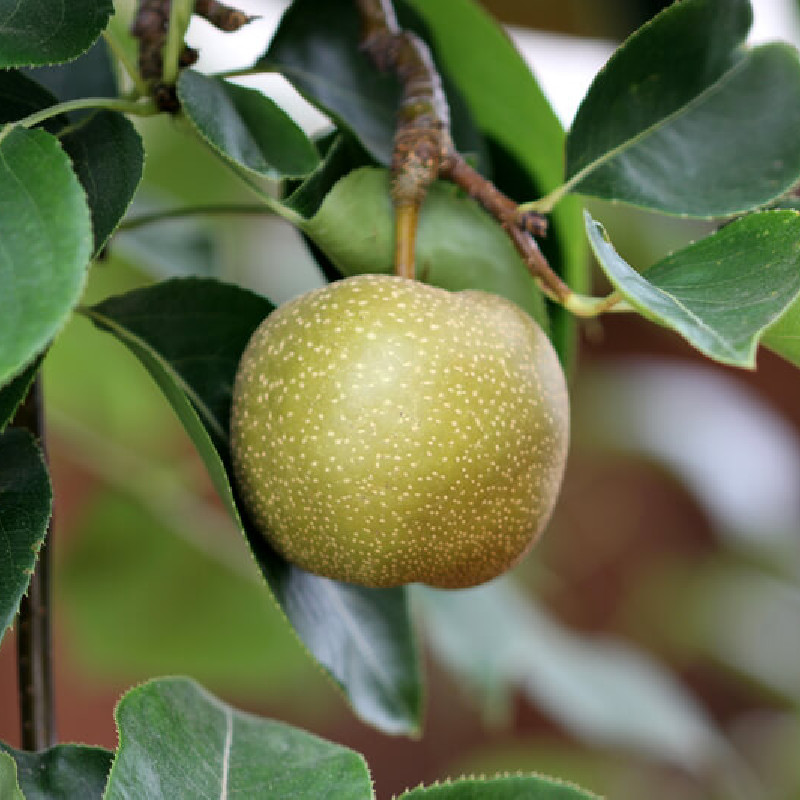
386, 432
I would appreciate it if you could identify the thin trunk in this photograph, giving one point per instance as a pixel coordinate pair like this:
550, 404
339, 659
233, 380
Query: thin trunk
34, 650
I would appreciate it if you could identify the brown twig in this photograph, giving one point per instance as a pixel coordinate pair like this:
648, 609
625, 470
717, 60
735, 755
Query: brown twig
151, 26
422, 137
424, 150
406, 220
34, 646
519, 227
221, 16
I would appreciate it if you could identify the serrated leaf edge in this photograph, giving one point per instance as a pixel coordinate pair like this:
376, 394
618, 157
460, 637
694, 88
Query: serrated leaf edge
27, 388
483, 778
75, 57
140, 143
37, 545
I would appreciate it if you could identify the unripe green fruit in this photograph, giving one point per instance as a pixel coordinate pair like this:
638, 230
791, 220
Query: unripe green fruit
387, 432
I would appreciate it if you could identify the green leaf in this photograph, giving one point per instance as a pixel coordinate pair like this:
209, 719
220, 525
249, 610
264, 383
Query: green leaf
46, 233
721, 292
245, 127
90, 75
660, 69
25, 503
602, 691
108, 157
459, 246
783, 336
343, 155
105, 149
33, 32
508, 787
9, 788
13, 393
62, 772
317, 48
190, 335
21, 96
685, 120
363, 637
177, 741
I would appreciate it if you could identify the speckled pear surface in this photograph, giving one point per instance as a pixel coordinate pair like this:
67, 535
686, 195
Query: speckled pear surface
387, 432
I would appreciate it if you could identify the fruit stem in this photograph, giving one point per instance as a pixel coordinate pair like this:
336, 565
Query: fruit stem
34, 649
406, 217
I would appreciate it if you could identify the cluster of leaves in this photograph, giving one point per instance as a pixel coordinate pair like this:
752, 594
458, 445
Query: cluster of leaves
171, 728
647, 134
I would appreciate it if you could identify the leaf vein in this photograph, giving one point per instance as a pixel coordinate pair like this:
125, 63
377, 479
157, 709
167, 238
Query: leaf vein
226, 755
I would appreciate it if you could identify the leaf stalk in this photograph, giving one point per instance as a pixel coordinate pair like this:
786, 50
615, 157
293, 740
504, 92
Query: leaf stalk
142, 109
123, 57
142, 220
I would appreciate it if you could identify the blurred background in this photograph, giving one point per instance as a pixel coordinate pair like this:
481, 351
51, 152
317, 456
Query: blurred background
650, 646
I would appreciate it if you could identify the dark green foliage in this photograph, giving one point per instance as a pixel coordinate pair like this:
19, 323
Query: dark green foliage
35, 32
25, 501
246, 127
672, 120
108, 157
64, 772
47, 237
